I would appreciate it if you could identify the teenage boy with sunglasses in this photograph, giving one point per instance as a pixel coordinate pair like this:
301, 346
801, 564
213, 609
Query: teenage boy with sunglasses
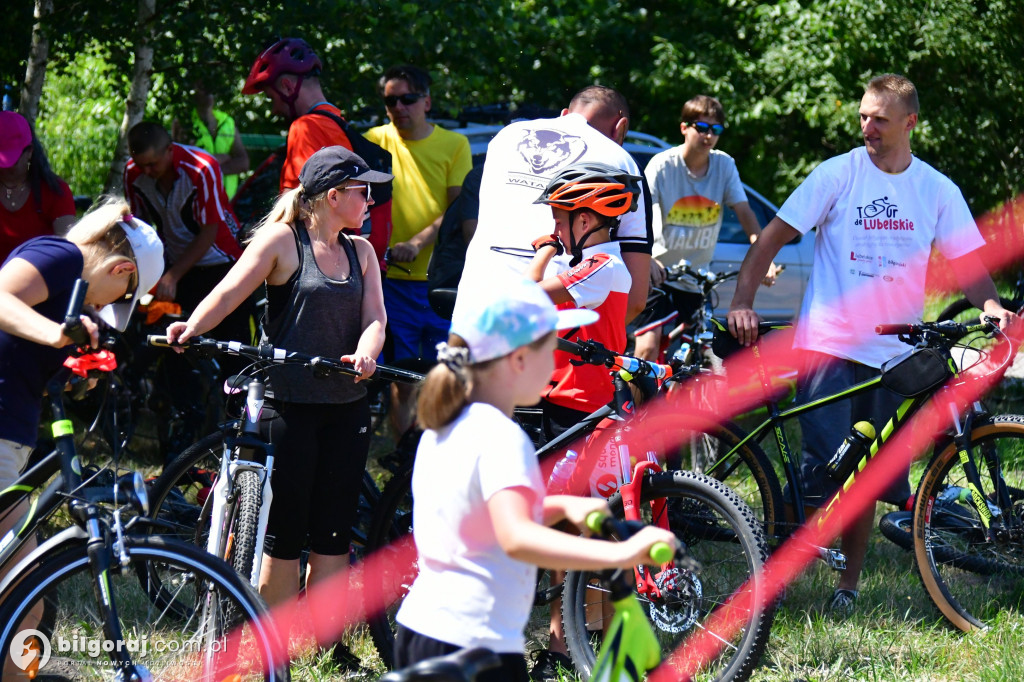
429, 164
690, 186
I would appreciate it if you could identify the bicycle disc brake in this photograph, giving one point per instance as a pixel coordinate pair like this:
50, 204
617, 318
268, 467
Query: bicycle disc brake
679, 607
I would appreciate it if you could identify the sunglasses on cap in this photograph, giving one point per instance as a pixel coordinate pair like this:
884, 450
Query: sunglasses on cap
407, 99
705, 128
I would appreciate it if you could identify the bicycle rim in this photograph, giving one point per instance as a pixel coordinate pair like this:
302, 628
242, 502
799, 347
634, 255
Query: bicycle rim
723, 537
969, 579
188, 642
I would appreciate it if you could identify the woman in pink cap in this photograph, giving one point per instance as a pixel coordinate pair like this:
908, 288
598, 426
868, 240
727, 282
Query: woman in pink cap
33, 200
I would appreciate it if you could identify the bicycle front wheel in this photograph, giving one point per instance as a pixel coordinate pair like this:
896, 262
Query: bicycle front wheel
186, 640
969, 578
728, 550
715, 446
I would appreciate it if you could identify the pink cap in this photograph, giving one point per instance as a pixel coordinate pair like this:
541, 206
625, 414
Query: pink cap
14, 137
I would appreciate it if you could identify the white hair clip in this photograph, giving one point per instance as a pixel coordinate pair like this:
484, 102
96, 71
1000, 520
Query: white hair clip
456, 358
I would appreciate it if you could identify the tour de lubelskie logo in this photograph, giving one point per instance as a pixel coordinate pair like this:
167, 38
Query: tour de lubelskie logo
880, 214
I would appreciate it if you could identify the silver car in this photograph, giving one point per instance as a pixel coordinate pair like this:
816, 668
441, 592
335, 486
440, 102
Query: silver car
780, 302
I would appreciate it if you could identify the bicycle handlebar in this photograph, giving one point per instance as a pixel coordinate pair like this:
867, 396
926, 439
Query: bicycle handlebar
948, 329
73, 327
593, 353
274, 355
607, 526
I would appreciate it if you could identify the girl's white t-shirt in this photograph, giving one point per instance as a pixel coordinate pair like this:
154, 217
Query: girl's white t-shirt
875, 233
468, 591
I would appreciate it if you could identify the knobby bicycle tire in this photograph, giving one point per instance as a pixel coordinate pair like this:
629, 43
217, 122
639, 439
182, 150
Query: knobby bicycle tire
245, 523
748, 471
181, 643
968, 578
722, 535
898, 528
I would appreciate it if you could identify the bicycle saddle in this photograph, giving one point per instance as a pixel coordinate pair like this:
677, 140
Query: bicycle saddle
442, 301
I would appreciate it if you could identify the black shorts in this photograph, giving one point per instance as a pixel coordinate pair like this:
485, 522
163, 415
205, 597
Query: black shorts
412, 647
672, 308
319, 457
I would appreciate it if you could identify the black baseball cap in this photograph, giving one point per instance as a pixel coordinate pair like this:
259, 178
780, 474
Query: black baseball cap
332, 166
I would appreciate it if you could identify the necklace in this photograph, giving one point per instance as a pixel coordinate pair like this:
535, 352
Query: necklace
13, 194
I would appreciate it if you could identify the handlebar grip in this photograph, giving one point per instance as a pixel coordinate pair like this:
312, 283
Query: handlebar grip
73, 327
893, 329
602, 524
162, 342
662, 552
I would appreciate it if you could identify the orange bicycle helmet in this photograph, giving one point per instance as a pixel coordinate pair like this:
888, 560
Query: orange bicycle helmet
288, 55
599, 187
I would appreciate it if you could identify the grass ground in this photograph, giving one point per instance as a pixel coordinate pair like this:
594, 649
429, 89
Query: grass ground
894, 634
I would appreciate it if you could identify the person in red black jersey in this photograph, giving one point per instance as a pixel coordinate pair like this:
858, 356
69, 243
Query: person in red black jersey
179, 190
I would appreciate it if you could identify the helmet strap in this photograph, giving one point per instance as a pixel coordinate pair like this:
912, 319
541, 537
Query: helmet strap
290, 99
576, 248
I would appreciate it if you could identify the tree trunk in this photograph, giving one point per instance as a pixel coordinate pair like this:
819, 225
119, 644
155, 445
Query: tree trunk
35, 72
135, 106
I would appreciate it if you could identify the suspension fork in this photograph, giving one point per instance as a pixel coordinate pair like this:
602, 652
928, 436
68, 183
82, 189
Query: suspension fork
631, 492
963, 425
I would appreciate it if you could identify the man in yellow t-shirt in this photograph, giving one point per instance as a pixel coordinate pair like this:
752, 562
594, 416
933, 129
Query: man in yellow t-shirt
429, 164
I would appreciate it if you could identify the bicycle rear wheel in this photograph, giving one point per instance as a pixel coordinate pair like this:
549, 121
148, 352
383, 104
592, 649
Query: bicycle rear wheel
728, 547
967, 577
187, 642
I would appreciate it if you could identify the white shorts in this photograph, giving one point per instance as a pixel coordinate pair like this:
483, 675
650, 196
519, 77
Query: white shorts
13, 457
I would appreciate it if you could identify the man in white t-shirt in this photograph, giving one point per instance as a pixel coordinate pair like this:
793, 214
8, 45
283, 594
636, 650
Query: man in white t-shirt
521, 160
878, 210
690, 186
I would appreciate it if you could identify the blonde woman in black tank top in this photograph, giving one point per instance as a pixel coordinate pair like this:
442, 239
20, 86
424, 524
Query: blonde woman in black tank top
334, 194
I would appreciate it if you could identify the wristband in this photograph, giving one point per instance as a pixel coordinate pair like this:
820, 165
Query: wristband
548, 240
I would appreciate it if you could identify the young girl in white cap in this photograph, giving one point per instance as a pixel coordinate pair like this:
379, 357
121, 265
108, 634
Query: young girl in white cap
480, 516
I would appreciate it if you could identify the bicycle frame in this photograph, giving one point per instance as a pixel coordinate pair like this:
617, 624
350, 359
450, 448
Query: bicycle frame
960, 425
86, 515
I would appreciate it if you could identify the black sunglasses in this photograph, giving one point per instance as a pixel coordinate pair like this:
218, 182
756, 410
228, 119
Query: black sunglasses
705, 128
407, 99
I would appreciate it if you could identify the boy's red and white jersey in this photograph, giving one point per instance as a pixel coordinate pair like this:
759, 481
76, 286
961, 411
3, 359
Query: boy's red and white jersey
599, 282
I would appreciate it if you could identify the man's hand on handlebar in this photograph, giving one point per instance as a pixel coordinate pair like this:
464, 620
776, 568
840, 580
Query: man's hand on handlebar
657, 273
743, 322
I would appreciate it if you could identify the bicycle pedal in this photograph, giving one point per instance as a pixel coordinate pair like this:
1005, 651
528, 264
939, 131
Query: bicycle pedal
833, 558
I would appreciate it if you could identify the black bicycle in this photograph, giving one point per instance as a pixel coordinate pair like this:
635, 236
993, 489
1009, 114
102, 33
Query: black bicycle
79, 592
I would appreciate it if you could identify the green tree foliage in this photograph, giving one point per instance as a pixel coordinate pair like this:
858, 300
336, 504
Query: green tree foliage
789, 73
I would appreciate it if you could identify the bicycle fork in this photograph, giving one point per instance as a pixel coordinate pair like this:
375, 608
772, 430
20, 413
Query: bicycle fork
225, 491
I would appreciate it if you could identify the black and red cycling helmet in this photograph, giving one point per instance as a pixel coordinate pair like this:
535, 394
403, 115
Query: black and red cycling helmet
288, 55
599, 187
